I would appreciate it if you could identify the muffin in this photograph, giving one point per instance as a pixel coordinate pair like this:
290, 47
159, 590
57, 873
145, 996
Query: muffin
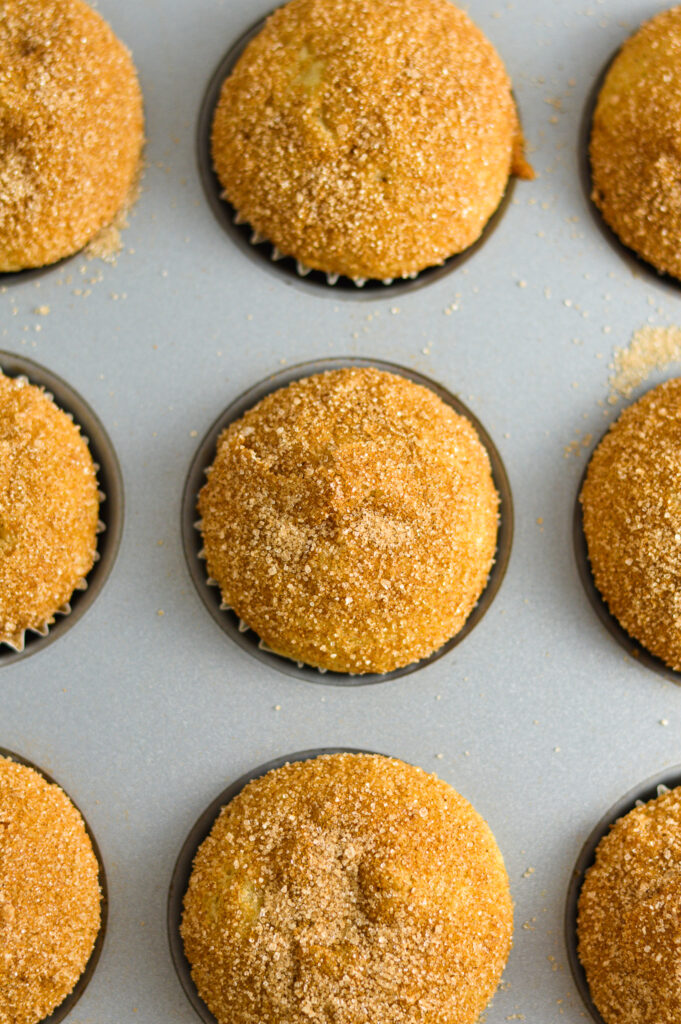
49, 895
346, 889
635, 145
49, 506
629, 917
71, 129
350, 520
631, 505
370, 138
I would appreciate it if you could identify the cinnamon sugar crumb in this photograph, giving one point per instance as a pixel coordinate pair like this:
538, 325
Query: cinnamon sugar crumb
650, 349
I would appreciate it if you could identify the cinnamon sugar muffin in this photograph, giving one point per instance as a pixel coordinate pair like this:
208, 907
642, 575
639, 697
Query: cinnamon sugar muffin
49, 505
49, 895
370, 138
71, 129
631, 502
635, 145
629, 923
350, 520
346, 889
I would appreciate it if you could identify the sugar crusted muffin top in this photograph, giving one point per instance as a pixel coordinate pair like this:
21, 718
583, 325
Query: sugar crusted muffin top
71, 129
49, 507
370, 138
629, 921
49, 895
632, 520
635, 146
350, 520
345, 889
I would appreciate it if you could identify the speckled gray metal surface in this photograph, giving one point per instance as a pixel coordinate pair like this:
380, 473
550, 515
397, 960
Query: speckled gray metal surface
145, 710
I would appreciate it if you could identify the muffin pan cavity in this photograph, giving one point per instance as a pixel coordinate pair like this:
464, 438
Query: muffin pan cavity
209, 592
110, 482
632, 647
65, 1008
670, 778
639, 267
285, 268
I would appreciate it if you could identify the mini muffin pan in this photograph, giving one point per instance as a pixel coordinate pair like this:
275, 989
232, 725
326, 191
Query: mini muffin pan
185, 861
209, 592
633, 648
641, 794
64, 1009
266, 254
110, 481
537, 716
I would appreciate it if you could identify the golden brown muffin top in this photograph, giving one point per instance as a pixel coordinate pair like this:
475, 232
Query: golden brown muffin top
636, 143
631, 503
49, 506
49, 895
71, 129
347, 889
629, 921
350, 520
370, 138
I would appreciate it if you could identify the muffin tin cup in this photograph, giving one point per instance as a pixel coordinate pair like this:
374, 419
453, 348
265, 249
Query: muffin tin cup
638, 265
64, 1009
110, 485
183, 866
266, 255
645, 791
210, 593
632, 647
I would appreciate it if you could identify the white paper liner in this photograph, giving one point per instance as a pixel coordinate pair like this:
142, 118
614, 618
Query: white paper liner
18, 642
303, 270
661, 790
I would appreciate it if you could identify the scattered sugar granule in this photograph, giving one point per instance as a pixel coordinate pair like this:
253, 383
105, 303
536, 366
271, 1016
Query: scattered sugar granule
649, 349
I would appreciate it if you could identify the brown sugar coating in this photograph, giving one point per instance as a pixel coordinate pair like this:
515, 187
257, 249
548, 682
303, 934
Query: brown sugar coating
49, 895
350, 520
347, 889
49, 506
636, 143
629, 921
631, 503
371, 138
71, 129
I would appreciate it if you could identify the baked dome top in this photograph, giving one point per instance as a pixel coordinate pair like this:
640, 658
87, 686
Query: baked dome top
71, 129
350, 519
346, 889
371, 138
